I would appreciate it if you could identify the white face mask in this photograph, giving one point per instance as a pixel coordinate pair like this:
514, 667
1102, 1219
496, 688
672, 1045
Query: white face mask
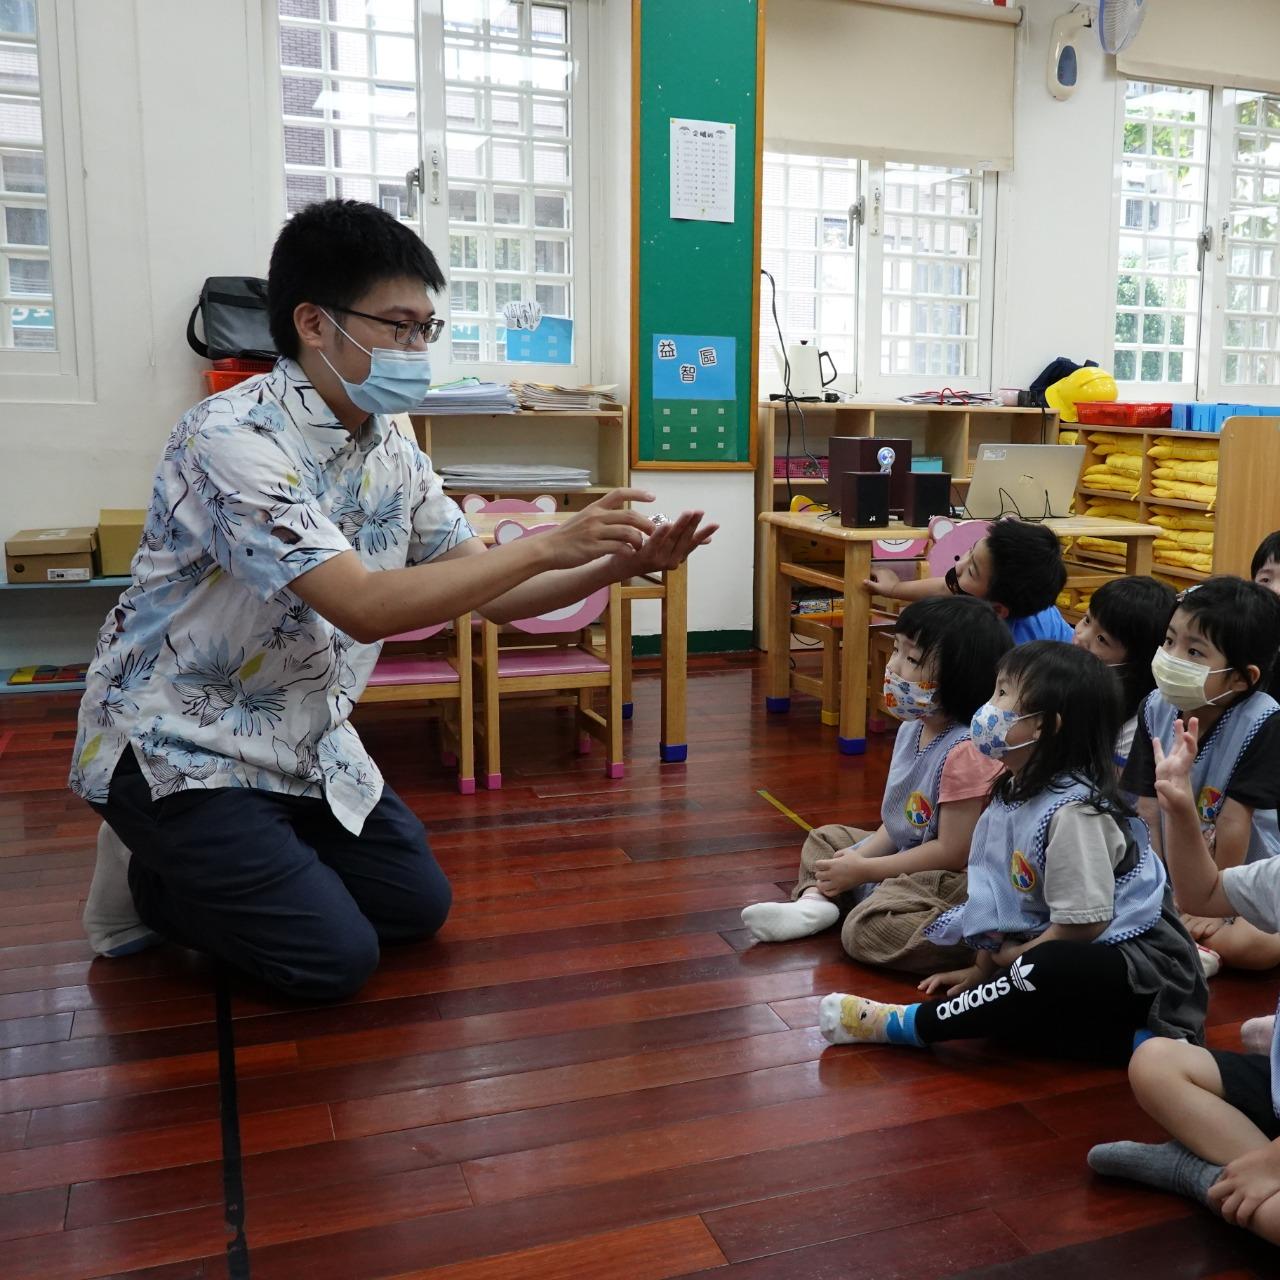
1183, 682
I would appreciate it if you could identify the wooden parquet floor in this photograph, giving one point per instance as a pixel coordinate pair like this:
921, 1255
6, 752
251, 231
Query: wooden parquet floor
591, 1073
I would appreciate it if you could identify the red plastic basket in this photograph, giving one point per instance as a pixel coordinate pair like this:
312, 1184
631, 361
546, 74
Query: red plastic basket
1116, 413
801, 467
224, 379
237, 365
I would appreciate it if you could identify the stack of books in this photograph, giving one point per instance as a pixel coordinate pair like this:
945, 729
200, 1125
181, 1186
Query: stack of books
550, 398
490, 477
469, 395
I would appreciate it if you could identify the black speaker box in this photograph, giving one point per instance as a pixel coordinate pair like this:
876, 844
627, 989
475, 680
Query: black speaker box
864, 500
858, 453
928, 495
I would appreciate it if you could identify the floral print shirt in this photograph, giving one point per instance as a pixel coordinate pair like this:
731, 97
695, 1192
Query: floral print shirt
209, 666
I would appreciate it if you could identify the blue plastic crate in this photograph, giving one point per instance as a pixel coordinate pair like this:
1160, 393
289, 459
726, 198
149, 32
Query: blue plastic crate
1210, 417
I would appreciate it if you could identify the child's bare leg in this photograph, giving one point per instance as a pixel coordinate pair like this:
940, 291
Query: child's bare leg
1180, 1087
1242, 946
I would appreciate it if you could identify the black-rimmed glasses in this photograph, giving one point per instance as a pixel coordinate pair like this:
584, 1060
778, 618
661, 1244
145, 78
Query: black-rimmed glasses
407, 331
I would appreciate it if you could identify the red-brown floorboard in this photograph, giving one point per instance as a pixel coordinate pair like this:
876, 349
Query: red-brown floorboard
592, 1073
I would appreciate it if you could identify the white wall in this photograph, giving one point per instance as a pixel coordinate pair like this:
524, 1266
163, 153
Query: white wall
173, 193
1055, 286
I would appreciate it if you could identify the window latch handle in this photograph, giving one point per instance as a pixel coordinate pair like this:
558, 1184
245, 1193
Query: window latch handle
1204, 242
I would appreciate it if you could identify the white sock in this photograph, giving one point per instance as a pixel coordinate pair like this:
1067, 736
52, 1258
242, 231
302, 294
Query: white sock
1210, 960
110, 918
1256, 1034
786, 921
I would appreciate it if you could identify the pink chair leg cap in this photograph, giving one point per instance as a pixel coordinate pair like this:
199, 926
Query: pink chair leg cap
585, 741
615, 770
493, 781
467, 786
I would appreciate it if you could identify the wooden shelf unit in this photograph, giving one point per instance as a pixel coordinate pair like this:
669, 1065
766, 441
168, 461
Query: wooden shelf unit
951, 432
1245, 510
593, 440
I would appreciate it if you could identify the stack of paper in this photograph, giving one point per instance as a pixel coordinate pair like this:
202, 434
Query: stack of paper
547, 396
487, 477
469, 395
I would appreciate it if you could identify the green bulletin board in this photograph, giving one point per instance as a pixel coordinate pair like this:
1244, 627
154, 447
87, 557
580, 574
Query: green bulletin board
694, 284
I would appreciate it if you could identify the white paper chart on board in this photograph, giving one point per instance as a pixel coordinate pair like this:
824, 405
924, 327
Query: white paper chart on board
702, 170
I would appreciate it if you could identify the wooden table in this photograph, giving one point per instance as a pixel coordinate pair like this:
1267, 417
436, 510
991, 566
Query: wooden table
672, 588
846, 577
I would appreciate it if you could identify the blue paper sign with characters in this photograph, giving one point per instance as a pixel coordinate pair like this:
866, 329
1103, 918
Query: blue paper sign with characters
550, 343
693, 367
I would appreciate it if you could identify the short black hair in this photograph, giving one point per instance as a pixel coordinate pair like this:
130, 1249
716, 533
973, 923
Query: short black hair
1079, 698
1238, 617
1134, 612
1027, 573
965, 639
1268, 549
332, 253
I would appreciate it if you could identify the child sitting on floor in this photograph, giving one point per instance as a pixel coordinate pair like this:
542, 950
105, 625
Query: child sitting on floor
1017, 568
1125, 623
1222, 1109
945, 654
1078, 950
1214, 664
1265, 570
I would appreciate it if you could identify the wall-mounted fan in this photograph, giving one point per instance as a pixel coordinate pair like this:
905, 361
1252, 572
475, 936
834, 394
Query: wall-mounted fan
1115, 21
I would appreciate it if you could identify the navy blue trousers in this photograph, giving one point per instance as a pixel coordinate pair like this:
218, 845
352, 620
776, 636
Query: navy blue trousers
274, 884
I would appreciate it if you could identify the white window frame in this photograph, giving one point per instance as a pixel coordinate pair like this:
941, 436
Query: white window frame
1205, 381
771, 380
1216, 317
873, 382
56, 376
866, 379
431, 220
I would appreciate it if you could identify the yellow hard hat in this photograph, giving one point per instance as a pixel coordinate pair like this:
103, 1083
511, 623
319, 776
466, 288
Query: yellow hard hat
1085, 384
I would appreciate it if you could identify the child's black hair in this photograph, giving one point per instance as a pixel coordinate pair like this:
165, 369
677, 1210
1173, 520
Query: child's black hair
965, 639
1239, 618
1027, 573
1135, 613
332, 253
1268, 549
1078, 698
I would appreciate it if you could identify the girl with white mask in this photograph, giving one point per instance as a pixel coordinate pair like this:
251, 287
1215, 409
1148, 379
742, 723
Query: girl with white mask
1214, 664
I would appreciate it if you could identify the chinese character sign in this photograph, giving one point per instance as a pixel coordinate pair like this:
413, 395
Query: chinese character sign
693, 367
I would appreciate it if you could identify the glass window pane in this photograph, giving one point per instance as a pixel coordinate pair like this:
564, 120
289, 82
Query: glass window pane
1163, 176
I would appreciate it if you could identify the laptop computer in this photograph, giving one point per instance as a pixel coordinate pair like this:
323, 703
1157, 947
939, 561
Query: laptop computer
1034, 481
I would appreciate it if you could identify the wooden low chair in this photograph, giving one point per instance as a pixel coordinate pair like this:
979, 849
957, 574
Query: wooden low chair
411, 669
554, 655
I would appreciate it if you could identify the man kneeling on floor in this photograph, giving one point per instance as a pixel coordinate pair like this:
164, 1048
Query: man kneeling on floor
291, 530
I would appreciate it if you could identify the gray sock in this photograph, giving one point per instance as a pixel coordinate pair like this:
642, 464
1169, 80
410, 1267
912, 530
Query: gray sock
1168, 1166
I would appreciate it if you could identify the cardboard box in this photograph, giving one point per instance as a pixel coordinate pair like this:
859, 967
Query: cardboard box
119, 532
52, 555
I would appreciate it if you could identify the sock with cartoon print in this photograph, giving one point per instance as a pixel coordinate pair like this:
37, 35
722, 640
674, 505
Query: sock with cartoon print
847, 1019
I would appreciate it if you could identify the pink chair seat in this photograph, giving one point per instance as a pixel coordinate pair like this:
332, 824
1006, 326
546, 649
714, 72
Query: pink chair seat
412, 669
548, 662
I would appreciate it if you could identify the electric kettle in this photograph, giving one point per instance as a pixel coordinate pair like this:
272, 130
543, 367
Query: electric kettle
807, 381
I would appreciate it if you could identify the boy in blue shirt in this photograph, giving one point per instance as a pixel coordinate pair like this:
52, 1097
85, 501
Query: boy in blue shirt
1017, 568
